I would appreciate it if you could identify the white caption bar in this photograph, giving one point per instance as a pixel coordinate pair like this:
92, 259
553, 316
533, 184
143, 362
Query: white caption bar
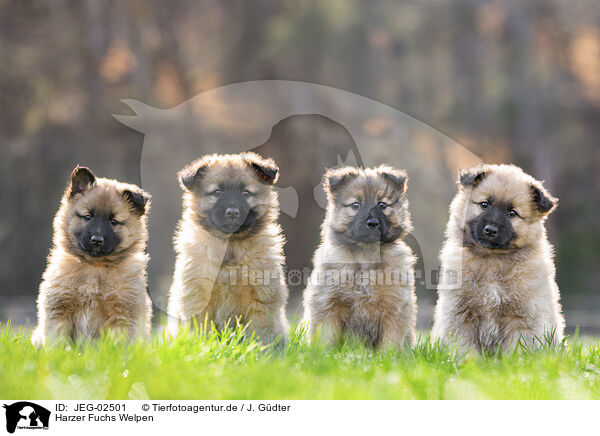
294, 417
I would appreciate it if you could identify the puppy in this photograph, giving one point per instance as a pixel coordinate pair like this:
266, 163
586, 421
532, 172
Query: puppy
363, 279
497, 253
229, 246
96, 273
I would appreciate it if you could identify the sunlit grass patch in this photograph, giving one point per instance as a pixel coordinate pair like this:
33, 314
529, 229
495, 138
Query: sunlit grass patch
203, 363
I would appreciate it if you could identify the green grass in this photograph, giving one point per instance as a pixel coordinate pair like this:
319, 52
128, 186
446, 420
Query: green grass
212, 365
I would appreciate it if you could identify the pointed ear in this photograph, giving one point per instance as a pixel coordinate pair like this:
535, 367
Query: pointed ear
543, 201
471, 177
266, 169
397, 178
338, 177
82, 179
192, 174
138, 200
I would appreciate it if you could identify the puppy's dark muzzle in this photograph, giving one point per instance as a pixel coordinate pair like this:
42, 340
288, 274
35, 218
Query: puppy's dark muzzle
232, 213
234, 220
493, 237
372, 223
490, 231
97, 241
97, 246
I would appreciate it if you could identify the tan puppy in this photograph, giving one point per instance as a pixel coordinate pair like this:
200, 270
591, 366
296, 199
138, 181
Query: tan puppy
96, 273
497, 263
363, 279
229, 246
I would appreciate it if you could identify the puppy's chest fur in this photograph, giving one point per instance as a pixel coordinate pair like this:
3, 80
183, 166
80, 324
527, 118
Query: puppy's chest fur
232, 295
366, 296
91, 297
493, 302
361, 285
359, 293
244, 268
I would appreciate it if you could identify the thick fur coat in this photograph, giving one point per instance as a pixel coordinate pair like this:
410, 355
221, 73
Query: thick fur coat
230, 269
362, 284
90, 287
498, 277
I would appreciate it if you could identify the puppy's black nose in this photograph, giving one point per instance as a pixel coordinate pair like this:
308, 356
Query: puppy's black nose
490, 230
372, 222
232, 212
97, 240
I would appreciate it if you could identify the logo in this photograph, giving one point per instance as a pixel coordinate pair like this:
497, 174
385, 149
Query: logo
26, 415
305, 128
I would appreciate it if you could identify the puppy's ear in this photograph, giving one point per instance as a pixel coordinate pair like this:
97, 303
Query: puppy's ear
471, 177
191, 175
543, 201
397, 178
338, 177
137, 199
266, 170
82, 179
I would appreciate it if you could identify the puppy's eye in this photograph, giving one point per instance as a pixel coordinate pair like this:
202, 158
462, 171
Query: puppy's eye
114, 222
512, 213
216, 193
246, 193
382, 204
484, 204
87, 217
355, 205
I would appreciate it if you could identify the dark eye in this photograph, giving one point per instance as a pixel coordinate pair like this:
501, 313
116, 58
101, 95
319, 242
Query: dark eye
246, 193
382, 204
88, 217
114, 222
512, 213
355, 205
484, 204
216, 193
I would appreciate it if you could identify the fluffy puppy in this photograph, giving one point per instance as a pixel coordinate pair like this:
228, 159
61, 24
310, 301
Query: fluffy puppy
229, 246
498, 283
96, 273
363, 279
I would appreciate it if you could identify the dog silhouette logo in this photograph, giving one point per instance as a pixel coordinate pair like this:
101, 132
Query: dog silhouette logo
26, 415
306, 128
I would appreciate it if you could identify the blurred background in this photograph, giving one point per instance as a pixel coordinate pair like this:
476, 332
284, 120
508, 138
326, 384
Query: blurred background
511, 82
